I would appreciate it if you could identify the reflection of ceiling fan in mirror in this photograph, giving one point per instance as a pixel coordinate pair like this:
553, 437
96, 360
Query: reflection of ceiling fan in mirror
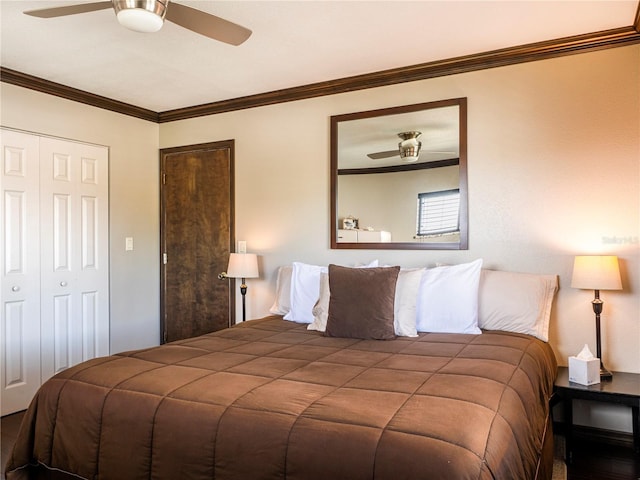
408, 150
148, 16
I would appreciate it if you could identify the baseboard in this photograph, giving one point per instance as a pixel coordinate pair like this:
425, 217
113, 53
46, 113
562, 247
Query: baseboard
600, 435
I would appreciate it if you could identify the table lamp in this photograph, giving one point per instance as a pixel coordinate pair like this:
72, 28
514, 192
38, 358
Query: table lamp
597, 272
243, 265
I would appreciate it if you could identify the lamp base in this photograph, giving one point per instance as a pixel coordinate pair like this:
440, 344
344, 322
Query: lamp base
605, 374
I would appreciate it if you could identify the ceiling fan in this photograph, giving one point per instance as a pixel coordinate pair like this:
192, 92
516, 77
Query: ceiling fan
408, 149
148, 16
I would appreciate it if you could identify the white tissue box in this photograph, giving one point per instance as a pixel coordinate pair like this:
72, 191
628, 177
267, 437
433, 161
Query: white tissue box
585, 372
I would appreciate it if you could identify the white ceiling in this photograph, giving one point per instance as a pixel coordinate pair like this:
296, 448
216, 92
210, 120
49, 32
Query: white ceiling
293, 43
439, 135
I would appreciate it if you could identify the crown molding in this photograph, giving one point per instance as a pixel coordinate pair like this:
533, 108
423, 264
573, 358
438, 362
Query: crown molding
46, 86
497, 58
618, 37
407, 167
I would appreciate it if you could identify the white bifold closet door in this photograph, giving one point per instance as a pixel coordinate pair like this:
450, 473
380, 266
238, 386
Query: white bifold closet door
55, 283
20, 333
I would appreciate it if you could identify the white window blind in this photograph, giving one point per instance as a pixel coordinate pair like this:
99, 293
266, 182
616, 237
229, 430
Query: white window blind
438, 212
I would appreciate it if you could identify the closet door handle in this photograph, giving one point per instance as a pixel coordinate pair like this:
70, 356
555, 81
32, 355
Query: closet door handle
63, 283
15, 288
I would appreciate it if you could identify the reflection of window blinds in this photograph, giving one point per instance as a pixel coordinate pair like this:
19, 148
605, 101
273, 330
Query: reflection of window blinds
438, 212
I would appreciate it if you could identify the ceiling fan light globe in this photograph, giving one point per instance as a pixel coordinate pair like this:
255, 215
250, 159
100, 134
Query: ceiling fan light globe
410, 158
140, 20
410, 150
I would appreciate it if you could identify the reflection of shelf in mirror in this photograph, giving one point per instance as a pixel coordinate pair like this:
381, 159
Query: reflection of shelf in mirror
363, 236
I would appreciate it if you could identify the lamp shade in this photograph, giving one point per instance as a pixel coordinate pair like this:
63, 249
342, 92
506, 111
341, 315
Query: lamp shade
243, 265
596, 272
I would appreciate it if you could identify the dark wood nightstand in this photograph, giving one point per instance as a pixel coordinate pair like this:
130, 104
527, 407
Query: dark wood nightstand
622, 389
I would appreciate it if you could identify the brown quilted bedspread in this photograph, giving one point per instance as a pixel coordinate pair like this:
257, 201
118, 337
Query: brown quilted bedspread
268, 399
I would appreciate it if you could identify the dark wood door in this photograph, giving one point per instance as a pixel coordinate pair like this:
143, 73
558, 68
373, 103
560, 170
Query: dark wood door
197, 235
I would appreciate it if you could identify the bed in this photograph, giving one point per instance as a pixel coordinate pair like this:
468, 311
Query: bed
273, 399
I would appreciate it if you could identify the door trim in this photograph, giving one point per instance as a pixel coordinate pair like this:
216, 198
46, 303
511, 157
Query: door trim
219, 145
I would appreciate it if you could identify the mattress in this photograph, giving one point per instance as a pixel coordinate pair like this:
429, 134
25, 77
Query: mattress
269, 399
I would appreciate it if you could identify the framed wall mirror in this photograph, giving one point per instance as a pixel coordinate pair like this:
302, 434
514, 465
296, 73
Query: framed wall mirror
399, 177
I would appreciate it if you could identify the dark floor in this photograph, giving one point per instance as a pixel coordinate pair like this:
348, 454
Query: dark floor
598, 461
593, 461
8, 433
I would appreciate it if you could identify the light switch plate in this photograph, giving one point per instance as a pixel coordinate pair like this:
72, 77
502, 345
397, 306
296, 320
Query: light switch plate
128, 243
242, 246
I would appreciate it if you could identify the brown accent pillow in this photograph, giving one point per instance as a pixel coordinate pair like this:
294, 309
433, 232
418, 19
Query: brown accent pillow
361, 302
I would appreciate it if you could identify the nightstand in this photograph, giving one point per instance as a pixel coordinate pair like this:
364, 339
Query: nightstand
622, 389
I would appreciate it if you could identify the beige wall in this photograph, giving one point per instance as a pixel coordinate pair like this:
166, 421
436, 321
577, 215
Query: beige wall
133, 198
389, 201
554, 171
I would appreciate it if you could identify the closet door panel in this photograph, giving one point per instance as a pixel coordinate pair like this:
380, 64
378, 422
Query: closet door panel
20, 324
75, 310
94, 263
90, 318
62, 332
55, 260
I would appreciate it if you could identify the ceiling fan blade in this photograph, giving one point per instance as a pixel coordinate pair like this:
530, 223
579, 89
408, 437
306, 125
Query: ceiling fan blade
381, 155
396, 153
69, 9
206, 24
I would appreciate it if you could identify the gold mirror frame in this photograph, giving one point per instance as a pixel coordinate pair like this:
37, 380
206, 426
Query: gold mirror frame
395, 116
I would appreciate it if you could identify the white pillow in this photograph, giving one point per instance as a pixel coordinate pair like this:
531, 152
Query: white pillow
282, 303
404, 311
516, 302
371, 264
406, 300
448, 299
305, 290
320, 310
